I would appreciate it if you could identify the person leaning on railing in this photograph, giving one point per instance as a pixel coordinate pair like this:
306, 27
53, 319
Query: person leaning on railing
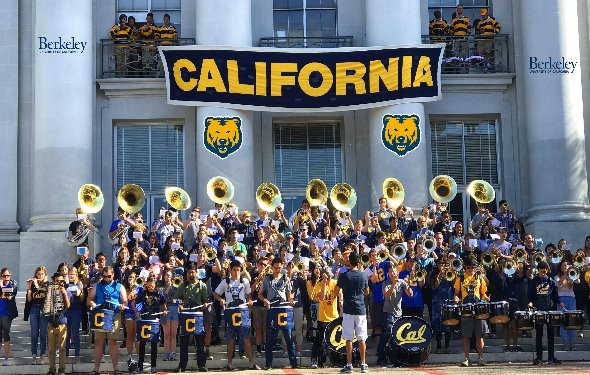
486, 28
148, 33
120, 34
167, 32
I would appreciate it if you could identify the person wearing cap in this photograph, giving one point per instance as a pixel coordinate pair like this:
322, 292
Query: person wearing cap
486, 28
192, 293
543, 296
354, 285
470, 288
414, 305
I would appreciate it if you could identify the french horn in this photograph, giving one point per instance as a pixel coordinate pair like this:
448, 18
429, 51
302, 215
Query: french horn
177, 198
316, 192
481, 191
443, 188
220, 190
268, 196
343, 197
393, 191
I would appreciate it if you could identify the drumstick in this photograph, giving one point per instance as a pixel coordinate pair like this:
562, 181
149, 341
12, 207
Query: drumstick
193, 308
147, 313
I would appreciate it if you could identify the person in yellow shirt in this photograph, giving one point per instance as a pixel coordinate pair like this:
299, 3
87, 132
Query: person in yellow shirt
120, 34
470, 288
323, 293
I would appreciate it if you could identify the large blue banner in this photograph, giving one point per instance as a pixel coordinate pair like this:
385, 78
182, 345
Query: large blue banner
272, 79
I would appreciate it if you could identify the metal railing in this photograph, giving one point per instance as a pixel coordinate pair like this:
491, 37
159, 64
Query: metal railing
136, 59
306, 42
473, 54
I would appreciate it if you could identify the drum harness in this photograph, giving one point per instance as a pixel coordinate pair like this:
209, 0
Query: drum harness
236, 300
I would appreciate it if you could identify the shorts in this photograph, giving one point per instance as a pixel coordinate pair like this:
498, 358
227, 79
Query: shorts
207, 316
377, 314
171, 316
5, 324
471, 326
110, 336
258, 316
354, 325
231, 333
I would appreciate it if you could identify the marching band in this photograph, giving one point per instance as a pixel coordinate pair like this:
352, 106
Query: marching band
261, 276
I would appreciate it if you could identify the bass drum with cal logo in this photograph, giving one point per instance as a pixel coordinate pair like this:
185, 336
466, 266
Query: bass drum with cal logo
336, 346
409, 344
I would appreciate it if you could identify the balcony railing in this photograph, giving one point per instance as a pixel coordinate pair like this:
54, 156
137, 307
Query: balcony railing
136, 59
473, 54
306, 42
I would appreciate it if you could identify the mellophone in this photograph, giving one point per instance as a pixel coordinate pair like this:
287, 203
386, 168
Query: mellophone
501, 312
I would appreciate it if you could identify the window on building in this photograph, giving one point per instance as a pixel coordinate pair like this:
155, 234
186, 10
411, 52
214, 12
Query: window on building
139, 9
471, 8
304, 18
151, 156
306, 150
466, 151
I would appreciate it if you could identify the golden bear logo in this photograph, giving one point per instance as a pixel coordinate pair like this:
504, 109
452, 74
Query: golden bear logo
401, 133
223, 135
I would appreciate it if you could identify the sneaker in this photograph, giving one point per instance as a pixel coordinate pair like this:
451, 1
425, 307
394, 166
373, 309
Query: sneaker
480, 362
242, 355
554, 361
285, 354
298, 354
34, 360
267, 368
364, 368
255, 367
581, 334
167, 357
258, 354
61, 373
208, 354
517, 348
382, 363
50, 372
314, 363
537, 362
173, 356
123, 345
507, 348
465, 363
5, 363
347, 369
229, 368
203, 369
179, 369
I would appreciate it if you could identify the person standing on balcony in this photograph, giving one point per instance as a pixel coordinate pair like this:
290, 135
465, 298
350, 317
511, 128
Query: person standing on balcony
438, 28
485, 29
460, 28
148, 33
167, 32
134, 49
120, 34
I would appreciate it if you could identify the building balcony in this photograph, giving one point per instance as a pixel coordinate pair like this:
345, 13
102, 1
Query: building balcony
306, 42
473, 54
137, 59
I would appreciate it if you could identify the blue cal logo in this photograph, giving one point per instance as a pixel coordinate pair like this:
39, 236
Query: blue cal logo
223, 135
401, 133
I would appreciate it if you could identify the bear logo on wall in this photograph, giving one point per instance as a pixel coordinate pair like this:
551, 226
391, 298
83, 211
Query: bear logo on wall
401, 133
223, 135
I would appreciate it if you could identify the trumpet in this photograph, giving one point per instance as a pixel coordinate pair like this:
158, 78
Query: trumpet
420, 275
519, 255
365, 259
428, 244
573, 274
555, 256
479, 272
399, 252
177, 281
509, 268
210, 254
457, 264
450, 274
382, 255
139, 281
488, 259
537, 257
299, 267
579, 259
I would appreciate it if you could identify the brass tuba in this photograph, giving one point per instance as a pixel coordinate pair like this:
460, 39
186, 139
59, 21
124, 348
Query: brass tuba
220, 190
481, 191
579, 259
131, 198
343, 197
316, 192
393, 191
268, 196
90, 198
177, 198
443, 188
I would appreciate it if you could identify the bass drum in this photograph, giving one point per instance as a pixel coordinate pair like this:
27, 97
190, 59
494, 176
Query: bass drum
336, 346
409, 344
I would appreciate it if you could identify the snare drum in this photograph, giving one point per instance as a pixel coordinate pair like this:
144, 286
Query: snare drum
237, 317
524, 320
573, 319
468, 310
451, 314
556, 318
336, 346
482, 310
191, 323
102, 320
540, 318
148, 330
499, 312
409, 343
280, 317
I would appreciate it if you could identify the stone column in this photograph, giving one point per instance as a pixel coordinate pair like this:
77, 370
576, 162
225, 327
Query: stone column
553, 113
239, 166
391, 23
63, 55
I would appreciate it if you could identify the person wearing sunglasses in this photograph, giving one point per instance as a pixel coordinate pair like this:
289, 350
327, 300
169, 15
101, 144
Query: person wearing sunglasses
8, 310
110, 294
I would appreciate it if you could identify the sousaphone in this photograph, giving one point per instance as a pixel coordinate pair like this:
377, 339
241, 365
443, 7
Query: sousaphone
443, 188
343, 197
220, 190
268, 196
90, 198
393, 191
316, 192
131, 198
177, 198
481, 191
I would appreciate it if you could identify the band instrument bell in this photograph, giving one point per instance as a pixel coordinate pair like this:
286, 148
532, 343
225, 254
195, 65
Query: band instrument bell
343, 197
220, 190
90, 198
316, 192
268, 196
131, 198
393, 191
177, 198
443, 188
481, 191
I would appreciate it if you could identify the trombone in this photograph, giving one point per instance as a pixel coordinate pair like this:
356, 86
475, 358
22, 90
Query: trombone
555, 256
299, 267
537, 257
420, 275
210, 254
509, 268
450, 274
457, 264
139, 281
573, 274
382, 255
488, 259
519, 255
